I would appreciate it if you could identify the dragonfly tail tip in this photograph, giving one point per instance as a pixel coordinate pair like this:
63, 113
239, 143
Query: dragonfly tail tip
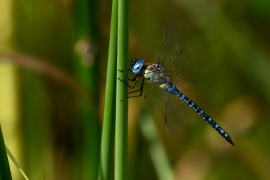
231, 142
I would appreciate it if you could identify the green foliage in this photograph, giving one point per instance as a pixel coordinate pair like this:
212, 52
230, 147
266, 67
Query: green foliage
61, 94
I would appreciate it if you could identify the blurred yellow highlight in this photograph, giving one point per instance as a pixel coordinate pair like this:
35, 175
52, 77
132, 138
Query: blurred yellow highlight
8, 88
9, 111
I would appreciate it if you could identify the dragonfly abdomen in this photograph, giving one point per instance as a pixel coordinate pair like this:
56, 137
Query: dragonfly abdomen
171, 88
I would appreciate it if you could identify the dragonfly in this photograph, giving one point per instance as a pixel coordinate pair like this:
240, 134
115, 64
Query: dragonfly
169, 77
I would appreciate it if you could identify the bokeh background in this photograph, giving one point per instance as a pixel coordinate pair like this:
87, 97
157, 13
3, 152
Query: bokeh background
53, 60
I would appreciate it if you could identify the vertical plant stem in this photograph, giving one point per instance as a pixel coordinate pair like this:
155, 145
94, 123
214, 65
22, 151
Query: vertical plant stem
108, 129
121, 143
156, 149
86, 69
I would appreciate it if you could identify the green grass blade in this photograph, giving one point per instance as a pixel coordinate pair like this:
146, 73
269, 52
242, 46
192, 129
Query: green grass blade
16, 163
156, 149
121, 143
4, 165
108, 129
86, 67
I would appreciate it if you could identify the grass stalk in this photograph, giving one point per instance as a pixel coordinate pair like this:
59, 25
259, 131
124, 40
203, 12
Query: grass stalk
121, 143
156, 149
108, 128
86, 69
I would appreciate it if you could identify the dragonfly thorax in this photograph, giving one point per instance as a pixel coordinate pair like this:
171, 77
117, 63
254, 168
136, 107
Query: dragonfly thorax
155, 74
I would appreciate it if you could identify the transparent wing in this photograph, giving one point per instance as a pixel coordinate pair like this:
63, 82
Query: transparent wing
175, 113
181, 72
176, 61
155, 98
170, 47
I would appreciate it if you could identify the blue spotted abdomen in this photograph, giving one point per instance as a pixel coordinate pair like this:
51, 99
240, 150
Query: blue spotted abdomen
170, 88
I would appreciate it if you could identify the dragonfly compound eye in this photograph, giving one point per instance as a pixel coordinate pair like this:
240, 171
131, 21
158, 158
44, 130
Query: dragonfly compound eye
136, 65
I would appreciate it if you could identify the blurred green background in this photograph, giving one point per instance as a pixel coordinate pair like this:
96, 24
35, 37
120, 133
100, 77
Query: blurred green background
53, 60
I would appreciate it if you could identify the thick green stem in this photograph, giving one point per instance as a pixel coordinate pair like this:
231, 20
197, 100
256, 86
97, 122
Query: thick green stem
121, 135
108, 129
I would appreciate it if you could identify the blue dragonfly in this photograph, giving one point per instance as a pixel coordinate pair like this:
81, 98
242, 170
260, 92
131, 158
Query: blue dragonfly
169, 77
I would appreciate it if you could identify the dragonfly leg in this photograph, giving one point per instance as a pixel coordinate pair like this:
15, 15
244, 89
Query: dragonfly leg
140, 90
122, 71
135, 79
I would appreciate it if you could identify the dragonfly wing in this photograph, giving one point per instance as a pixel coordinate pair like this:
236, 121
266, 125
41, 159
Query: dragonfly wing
176, 61
181, 73
170, 47
155, 98
175, 113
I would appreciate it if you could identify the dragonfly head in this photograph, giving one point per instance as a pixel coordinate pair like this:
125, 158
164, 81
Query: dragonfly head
136, 65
